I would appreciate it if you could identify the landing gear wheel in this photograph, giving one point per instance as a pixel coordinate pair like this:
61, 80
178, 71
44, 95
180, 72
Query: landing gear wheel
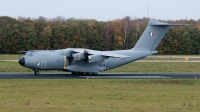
94, 73
36, 72
73, 73
80, 73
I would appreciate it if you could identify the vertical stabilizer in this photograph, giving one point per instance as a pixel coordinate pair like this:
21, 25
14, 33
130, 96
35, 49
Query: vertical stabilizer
153, 34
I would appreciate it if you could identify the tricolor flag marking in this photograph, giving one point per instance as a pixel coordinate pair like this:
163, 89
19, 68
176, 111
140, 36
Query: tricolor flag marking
151, 34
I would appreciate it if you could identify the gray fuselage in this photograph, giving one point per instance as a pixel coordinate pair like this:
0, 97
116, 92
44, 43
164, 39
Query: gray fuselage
56, 60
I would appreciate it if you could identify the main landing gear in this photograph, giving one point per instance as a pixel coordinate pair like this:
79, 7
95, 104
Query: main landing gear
36, 72
83, 73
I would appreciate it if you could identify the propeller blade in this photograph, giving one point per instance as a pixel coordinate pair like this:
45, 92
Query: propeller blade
85, 56
70, 58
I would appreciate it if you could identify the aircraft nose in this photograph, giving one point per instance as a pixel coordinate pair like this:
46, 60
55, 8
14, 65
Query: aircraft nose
22, 61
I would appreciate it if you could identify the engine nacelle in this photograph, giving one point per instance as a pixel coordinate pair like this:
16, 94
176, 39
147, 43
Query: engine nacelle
96, 58
78, 56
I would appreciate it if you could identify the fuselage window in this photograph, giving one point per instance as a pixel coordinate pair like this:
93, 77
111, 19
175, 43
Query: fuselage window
28, 54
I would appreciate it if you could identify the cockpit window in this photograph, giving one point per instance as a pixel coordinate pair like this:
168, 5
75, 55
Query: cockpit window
28, 54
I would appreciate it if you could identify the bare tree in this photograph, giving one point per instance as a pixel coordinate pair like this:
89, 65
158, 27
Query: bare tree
107, 30
126, 30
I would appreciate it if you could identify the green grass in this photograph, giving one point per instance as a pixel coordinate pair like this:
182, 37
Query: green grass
10, 56
12, 67
172, 59
107, 95
178, 67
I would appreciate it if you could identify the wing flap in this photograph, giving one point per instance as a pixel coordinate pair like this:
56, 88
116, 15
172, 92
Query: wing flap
114, 55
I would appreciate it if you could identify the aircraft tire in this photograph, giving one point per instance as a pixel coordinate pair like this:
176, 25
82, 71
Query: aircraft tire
73, 73
94, 73
36, 72
80, 73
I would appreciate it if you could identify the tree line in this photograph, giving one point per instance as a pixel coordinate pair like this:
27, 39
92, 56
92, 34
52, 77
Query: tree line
24, 34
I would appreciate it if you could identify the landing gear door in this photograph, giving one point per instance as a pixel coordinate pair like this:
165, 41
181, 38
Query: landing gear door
43, 65
104, 64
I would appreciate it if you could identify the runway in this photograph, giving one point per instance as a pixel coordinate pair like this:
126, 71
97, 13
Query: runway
99, 76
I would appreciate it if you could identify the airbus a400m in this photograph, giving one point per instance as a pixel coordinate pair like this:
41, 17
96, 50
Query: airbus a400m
86, 61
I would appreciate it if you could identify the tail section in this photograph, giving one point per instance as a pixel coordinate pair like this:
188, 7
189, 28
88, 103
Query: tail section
153, 34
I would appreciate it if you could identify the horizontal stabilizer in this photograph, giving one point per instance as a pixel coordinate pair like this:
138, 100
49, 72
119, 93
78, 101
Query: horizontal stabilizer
171, 24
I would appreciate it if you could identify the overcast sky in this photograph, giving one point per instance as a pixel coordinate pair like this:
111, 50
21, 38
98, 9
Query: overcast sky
102, 10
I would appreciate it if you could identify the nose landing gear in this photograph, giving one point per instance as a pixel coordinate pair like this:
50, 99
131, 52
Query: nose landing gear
36, 72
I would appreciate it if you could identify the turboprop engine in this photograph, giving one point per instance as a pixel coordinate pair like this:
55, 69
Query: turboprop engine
81, 56
91, 58
86, 57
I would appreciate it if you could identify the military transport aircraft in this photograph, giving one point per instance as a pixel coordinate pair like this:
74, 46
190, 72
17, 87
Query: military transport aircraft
86, 61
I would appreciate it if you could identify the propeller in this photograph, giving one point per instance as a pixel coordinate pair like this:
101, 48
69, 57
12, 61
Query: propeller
85, 56
70, 58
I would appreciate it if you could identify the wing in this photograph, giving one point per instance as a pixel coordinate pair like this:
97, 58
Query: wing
102, 53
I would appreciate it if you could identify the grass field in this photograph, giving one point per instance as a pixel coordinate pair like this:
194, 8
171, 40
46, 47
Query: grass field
107, 95
10, 56
178, 67
12, 67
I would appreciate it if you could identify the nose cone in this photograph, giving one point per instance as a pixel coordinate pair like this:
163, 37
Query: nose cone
22, 61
